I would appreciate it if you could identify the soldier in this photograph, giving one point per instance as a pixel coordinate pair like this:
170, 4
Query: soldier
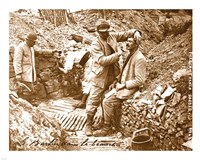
24, 65
132, 76
105, 68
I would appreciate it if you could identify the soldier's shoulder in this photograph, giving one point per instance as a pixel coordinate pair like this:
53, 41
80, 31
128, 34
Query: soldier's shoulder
21, 45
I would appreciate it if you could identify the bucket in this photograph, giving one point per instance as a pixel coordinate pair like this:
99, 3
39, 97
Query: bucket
142, 140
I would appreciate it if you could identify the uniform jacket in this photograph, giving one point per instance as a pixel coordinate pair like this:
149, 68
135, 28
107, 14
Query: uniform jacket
133, 75
101, 61
24, 61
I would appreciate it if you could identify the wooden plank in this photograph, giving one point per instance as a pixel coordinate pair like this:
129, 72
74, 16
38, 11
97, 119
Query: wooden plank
83, 123
71, 122
79, 123
74, 126
66, 121
70, 118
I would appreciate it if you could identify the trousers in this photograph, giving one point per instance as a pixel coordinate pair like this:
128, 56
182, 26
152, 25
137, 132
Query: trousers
94, 98
110, 104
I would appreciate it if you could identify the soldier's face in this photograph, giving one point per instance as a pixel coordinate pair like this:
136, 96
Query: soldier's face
131, 44
104, 35
31, 43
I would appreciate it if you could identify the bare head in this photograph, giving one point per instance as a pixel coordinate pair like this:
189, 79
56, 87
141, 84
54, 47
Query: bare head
132, 44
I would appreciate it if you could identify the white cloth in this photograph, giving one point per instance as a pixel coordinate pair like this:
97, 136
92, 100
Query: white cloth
71, 58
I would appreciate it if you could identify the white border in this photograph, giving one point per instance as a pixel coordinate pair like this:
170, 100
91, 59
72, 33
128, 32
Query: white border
10, 5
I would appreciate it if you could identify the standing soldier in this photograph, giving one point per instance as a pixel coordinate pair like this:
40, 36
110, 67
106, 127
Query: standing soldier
105, 68
24, 65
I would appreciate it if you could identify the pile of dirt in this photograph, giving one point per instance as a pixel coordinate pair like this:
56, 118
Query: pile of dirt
30, 129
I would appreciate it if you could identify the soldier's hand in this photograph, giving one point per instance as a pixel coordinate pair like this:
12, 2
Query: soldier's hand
137, 37
18, 77
120, 86
111, 87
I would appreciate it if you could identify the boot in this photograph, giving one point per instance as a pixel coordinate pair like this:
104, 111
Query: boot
88, 127
82, 104
106, 130
78, 97
98, 125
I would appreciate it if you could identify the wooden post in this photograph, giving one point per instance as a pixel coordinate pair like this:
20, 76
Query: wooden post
66, 17
54, 15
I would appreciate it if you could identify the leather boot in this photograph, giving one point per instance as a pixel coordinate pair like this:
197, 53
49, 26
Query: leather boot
106, 130
88, 127
82, 104
78, 97
99, 125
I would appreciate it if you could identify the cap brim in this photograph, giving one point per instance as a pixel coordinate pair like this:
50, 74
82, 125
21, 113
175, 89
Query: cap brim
31, 39
104, 30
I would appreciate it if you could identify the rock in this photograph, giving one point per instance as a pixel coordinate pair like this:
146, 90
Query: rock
168, 92
179, 74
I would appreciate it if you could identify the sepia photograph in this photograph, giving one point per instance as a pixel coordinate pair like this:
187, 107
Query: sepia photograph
100, 79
